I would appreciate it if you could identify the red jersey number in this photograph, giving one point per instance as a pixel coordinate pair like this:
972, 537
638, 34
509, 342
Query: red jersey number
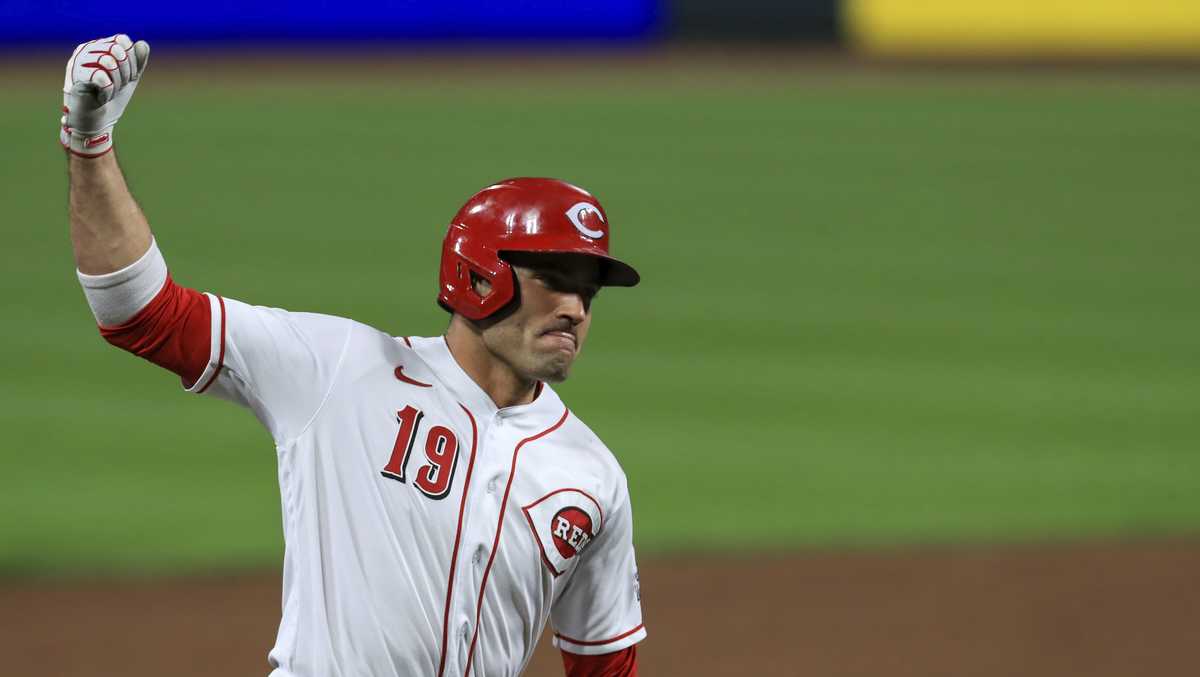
435, 477
441, 449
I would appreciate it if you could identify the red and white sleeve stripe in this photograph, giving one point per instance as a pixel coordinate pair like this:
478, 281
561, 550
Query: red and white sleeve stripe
599, 646
140, 308
174, 331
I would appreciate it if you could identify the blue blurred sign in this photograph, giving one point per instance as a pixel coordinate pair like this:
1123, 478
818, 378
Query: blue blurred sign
424, 21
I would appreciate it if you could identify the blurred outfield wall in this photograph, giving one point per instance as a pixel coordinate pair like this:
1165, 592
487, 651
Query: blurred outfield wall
937, 28
1048, 28
393, 20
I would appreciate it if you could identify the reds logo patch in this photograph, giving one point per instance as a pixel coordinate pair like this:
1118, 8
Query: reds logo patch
563, 522
571, 529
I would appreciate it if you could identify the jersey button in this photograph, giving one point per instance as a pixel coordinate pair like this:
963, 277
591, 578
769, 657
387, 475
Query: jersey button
477, 558
492, 485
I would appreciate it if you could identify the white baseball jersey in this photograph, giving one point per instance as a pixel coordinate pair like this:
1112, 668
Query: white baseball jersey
427, 532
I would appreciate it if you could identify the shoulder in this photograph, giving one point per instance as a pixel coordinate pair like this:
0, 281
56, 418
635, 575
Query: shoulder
581, 435
598, 460
368, 346
320, 336
241, 318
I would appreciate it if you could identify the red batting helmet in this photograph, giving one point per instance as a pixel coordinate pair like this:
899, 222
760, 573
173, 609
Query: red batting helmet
521, 215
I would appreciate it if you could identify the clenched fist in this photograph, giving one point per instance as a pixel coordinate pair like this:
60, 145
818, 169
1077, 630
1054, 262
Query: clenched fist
100, 80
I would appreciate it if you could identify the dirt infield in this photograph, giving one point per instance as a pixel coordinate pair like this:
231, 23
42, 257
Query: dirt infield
1093, 610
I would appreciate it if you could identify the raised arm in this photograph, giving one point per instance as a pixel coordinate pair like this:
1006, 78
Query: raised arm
108, 230
124, 277
277, 363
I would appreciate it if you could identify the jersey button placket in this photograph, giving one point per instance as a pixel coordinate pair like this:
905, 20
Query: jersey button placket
464, 644
496, 472
496, 460
483, 515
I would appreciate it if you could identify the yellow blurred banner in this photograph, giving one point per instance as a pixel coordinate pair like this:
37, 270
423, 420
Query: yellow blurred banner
1157, 28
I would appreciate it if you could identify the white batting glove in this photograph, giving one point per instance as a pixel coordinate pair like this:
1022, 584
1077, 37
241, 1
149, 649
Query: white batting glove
100, 80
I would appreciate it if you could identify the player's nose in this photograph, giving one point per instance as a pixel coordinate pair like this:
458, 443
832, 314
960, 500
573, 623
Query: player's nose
572, 307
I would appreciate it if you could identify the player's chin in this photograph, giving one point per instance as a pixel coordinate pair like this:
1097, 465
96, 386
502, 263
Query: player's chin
555, 368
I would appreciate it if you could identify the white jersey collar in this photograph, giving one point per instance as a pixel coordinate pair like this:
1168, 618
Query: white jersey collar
434, 351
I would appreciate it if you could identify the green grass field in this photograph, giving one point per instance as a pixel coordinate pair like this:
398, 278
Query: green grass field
887, 310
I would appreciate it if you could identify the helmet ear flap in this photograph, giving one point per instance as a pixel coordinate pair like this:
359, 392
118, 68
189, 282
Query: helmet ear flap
500, 285
465, 261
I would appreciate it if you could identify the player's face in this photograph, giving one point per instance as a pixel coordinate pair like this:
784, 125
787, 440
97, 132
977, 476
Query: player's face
543, 336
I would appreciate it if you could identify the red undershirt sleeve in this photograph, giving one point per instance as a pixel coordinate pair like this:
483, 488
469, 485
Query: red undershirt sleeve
173, 331
621, 663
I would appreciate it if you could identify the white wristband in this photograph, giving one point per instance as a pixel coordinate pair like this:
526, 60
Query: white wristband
117, 296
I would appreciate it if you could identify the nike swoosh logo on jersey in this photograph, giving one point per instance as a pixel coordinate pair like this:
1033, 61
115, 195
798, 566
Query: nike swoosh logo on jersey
400, 375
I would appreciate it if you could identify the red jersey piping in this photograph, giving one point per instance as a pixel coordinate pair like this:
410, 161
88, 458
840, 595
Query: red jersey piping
623, 635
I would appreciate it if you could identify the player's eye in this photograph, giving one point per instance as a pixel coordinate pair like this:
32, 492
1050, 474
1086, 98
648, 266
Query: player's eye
553, 280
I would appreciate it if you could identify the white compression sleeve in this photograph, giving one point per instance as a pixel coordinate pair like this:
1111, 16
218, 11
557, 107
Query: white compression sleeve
117, 296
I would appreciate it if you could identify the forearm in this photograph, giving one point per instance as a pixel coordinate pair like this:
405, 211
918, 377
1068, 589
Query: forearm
108, 229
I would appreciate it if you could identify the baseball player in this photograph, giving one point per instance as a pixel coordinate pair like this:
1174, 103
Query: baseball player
440, 502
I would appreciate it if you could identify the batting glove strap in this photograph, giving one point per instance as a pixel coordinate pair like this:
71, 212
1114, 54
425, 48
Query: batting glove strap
100, 79
85, 145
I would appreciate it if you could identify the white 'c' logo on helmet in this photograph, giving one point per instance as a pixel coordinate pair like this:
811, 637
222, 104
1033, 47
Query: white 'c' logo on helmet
576, 213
